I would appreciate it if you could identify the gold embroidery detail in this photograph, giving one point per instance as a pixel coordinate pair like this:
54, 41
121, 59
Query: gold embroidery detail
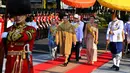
29, 35
32, 30
16, 36
9, 36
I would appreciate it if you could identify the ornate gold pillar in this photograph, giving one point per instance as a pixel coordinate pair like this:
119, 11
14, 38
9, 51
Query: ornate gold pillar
44, 4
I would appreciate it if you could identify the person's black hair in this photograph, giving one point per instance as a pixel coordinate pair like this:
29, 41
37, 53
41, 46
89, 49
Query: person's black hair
62, 14
115, 12
92, 16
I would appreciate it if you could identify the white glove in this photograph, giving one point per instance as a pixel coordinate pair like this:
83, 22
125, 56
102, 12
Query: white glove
4, 34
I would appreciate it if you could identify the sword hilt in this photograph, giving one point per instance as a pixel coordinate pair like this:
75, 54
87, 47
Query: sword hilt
27, 49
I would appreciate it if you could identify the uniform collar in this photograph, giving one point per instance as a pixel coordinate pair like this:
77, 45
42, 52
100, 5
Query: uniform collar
115, 20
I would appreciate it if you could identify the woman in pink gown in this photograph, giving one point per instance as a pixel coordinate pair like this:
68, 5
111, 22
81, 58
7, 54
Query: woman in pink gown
91, 39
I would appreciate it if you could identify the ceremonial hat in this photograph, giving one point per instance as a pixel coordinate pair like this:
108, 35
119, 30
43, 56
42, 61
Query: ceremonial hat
76, 16
18, 7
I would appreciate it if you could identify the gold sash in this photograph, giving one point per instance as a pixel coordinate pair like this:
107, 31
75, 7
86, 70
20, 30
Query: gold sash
90, 30
53, 30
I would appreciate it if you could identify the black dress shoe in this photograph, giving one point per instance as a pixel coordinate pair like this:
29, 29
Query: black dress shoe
77, 60
113, 67
117, 68
128, 52
79, 57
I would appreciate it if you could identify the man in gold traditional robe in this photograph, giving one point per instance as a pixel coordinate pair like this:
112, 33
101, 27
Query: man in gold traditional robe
65, 36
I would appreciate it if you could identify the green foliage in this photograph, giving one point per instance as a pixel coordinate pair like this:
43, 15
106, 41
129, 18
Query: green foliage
104, 19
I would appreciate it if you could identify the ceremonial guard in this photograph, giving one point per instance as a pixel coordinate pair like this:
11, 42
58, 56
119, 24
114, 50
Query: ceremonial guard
57, 18
65, 36
1, 47
38, 19
42, 34
34, 15
1, 25
52, 16
45, 25
42, 21
115, 37
48, 19
39, 26
20, 38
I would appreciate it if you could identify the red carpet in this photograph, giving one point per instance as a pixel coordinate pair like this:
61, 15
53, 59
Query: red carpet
85, 68
49, 64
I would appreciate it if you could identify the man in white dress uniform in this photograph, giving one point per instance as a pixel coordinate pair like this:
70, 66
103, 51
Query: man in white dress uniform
115, 37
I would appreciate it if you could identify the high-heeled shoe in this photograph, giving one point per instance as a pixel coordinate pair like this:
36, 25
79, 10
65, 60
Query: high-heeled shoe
92, 62
65, 64
88, 62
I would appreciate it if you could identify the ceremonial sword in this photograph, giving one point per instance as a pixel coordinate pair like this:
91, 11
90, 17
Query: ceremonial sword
28, 53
